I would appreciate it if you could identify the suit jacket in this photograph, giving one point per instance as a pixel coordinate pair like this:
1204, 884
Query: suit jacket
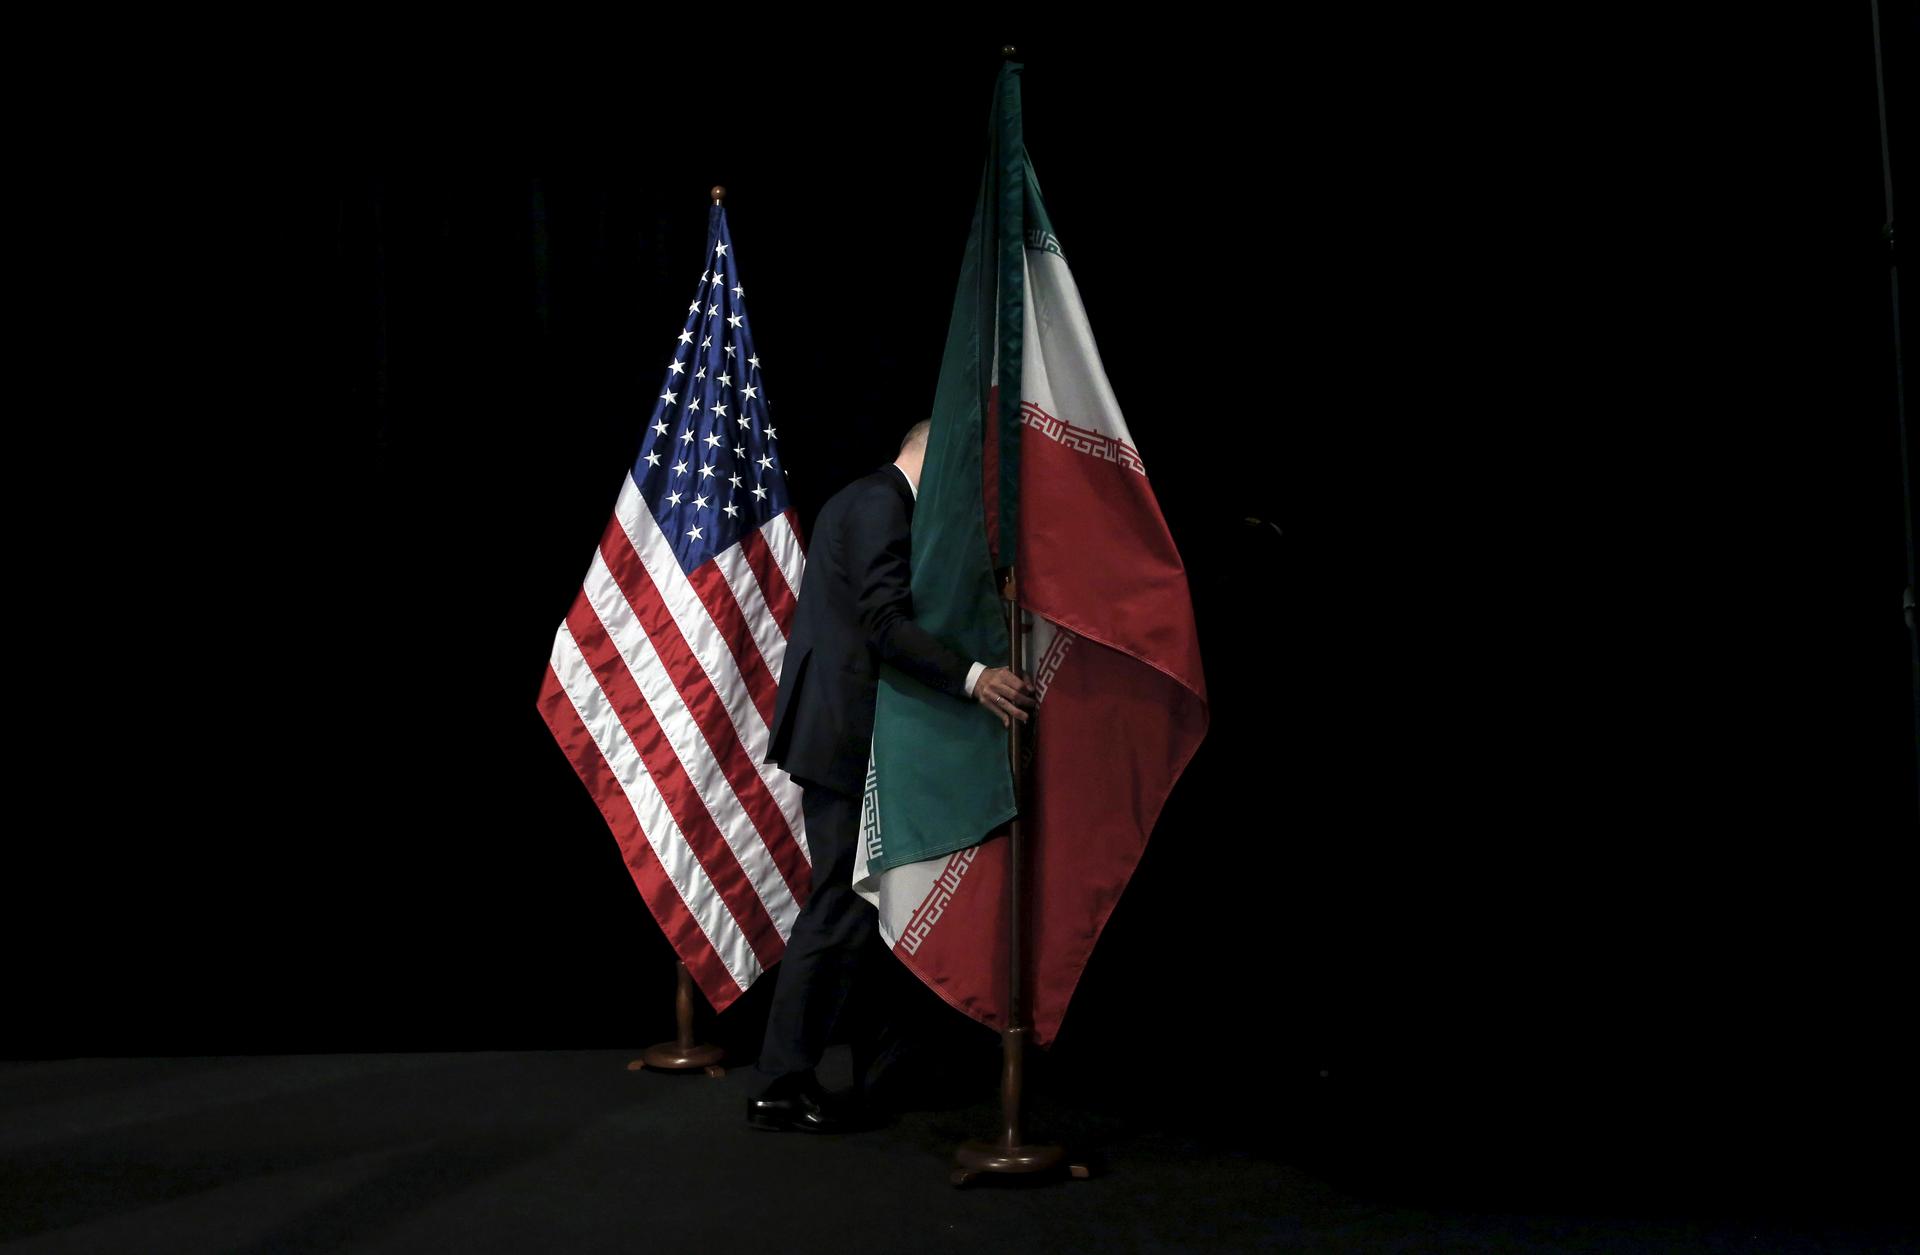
855, 612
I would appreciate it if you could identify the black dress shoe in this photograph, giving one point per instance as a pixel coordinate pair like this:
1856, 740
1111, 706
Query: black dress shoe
810, 1110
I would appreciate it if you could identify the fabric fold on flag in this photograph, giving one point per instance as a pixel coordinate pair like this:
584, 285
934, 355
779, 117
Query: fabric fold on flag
661, 682
1029, 462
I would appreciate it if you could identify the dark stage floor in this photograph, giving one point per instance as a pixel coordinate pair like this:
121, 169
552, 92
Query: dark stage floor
569, 1152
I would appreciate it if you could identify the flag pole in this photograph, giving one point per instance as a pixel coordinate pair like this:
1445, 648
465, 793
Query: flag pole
1012, 1154
683, 1054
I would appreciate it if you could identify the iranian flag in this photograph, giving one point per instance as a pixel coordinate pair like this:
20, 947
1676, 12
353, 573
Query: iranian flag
1029, 465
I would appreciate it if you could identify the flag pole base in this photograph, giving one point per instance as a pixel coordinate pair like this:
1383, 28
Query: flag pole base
674, 1057
977, 1159
682, 1054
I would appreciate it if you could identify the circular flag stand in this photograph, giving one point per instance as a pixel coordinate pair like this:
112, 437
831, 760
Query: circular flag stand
682, 1054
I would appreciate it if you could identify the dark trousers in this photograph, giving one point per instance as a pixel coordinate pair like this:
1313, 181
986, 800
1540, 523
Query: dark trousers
833, 951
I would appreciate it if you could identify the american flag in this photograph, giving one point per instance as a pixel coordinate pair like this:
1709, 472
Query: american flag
661, 684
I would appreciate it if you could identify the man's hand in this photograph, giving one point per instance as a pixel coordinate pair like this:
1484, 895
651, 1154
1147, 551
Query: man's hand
1006, 694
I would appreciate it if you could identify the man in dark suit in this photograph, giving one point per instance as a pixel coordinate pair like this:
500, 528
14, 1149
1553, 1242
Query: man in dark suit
855, 612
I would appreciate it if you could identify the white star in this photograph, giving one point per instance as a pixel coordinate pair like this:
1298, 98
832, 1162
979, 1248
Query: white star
707, 470
734, 480
661, 426
701, 373
679, 468
731, 509
712, 310
716, 276
720, 250
693, 404
667, 396
705, 277
766, 462
771, 435
727, 380
686, 337
713, 441
678, 367
739, 451
729, 350
733, 320
693, 533
686, 437
755, 361
699, 503
758, 491
694, 308
673, 498
749, 392
705, 341
721, 410
739, 291
653, 459
746, 420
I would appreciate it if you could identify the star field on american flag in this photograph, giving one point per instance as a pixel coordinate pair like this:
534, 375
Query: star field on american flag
709, 427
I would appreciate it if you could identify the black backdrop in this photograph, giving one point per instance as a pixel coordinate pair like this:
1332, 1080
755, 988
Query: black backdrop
1560, 792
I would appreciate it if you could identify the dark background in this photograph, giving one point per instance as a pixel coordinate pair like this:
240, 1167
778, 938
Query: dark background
1557, 817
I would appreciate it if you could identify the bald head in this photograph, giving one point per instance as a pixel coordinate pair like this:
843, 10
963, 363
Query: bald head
913, 451
916, 437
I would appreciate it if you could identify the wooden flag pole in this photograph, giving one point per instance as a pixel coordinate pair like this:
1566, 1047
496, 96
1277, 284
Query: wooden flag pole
1012, 1154
682, 1054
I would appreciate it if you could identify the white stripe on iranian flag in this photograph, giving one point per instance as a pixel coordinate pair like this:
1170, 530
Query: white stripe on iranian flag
683, 870
899, 893
677, 594
1060, 370
656, 684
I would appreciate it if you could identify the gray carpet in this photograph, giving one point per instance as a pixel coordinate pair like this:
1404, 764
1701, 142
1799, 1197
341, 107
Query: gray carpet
569, 1152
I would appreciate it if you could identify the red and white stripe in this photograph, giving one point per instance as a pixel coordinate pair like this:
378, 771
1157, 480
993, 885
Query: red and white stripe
660, 690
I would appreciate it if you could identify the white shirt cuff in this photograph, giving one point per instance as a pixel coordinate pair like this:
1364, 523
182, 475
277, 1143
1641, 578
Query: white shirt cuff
973, 675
